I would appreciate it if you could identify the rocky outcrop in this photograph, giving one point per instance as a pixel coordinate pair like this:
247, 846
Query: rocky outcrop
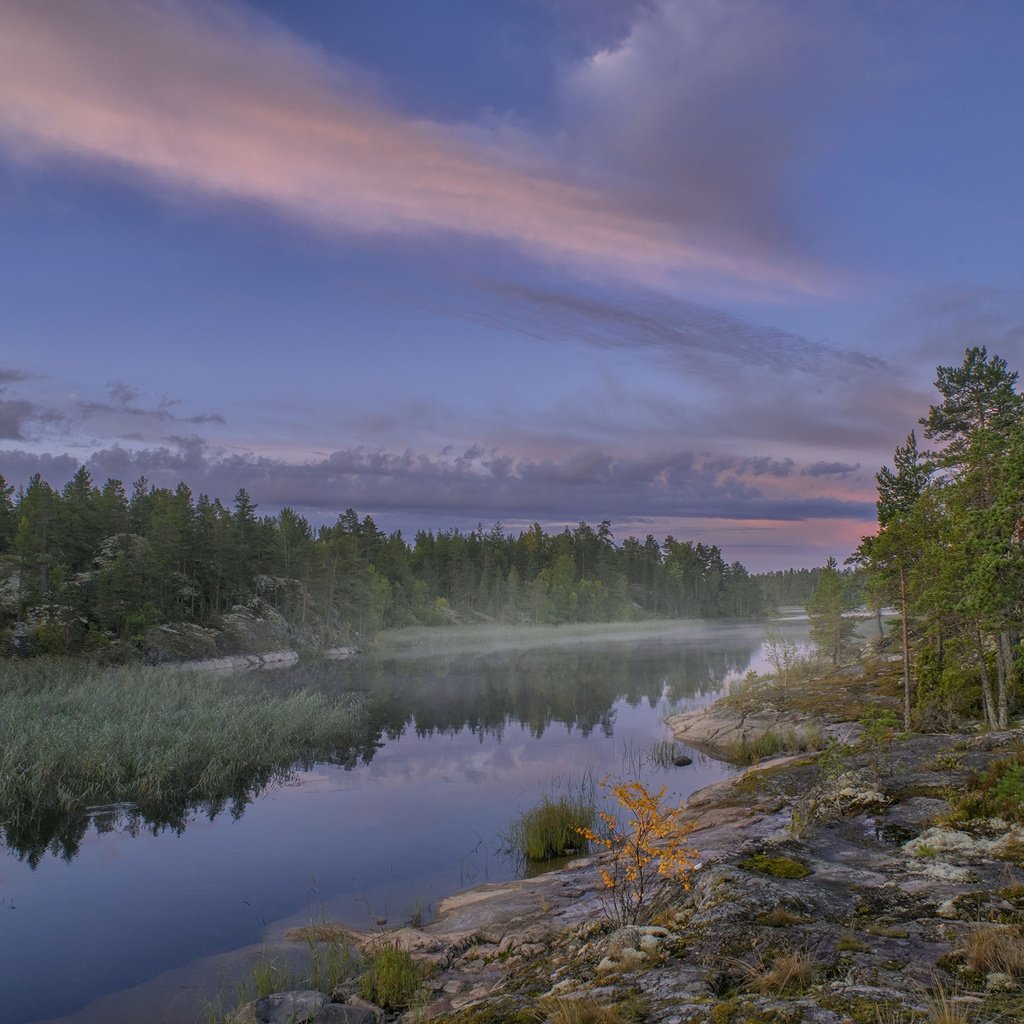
244, 639
720, 727
821, 897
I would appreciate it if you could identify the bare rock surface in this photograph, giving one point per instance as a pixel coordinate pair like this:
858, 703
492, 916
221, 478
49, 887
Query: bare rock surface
849, 873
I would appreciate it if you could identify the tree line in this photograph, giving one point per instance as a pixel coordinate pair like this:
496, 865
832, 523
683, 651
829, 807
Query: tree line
83, 565
949, 552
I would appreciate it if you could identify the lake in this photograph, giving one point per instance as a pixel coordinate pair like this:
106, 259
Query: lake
146, 923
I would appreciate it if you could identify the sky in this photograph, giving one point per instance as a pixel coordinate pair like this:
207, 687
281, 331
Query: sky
685, 265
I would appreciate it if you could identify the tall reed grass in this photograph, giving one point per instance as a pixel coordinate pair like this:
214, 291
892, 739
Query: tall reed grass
552, 828
74, 737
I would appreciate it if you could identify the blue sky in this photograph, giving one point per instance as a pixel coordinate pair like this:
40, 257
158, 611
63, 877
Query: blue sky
687, 265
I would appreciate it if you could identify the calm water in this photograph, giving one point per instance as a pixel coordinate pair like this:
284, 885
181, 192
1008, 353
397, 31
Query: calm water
460, 742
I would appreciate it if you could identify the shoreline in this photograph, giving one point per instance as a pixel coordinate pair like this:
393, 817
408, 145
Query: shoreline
853, 878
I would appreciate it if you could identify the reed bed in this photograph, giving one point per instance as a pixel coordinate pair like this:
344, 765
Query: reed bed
74, 737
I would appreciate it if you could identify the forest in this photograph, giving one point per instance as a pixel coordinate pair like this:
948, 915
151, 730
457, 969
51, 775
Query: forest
93, 569
949, 551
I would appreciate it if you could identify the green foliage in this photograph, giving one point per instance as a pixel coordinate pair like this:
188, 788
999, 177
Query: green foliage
392, 978
996, 793
832, 760
554, 827
831, 626
879, 727
86, 559
950, 548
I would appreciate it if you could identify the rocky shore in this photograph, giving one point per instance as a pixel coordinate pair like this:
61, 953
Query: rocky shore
833, 888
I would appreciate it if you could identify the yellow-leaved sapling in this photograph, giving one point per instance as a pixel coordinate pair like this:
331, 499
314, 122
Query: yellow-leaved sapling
647, 843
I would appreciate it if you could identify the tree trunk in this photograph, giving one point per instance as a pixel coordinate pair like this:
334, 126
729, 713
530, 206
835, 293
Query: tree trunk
986, 685
906, 647
1004, 659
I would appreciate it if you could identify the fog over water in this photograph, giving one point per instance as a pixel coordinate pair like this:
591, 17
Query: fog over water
459, 741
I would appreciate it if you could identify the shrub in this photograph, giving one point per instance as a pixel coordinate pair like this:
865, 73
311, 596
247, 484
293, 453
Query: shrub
647, 846
996, 793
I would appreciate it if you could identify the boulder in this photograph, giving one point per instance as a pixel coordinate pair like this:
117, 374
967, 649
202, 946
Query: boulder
301, 1007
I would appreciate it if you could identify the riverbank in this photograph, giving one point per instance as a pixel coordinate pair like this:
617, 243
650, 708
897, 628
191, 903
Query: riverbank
835, 887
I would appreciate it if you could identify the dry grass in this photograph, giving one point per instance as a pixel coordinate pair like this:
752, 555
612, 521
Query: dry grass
585, 1010
943, 1007
994, 948
324, 931
779, 917
787, 975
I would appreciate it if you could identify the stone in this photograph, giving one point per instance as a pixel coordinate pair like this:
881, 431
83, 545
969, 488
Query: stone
345, 1013
378, 1013
681, 760
300, 1007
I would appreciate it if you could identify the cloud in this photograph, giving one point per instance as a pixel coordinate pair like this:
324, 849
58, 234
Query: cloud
840, 469
481, 483
676, 331
13, 416
9, 376
210, 99
706, 108
123, 417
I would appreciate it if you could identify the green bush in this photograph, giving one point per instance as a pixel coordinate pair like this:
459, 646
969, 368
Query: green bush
996, 793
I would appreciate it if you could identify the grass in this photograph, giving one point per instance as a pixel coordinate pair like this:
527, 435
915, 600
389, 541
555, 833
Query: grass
779, 917
161, 741
392, 978
331, 962
664, 753
750, 751
583, 1010
787, 974
943, 1007
551, 829
994, 948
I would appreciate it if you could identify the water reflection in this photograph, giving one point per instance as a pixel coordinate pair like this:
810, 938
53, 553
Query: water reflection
454, 746
436, 695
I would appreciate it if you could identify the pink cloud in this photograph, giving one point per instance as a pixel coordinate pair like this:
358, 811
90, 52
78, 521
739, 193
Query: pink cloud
210, 99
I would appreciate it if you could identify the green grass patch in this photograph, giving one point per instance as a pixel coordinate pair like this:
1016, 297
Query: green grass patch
790, 741
392, 978
551, 829
147, 742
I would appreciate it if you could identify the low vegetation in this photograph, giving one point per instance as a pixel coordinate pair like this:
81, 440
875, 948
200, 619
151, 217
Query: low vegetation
771, 743
996, 793
778, 867
648, 846
556, 827
148, 742
391, 977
